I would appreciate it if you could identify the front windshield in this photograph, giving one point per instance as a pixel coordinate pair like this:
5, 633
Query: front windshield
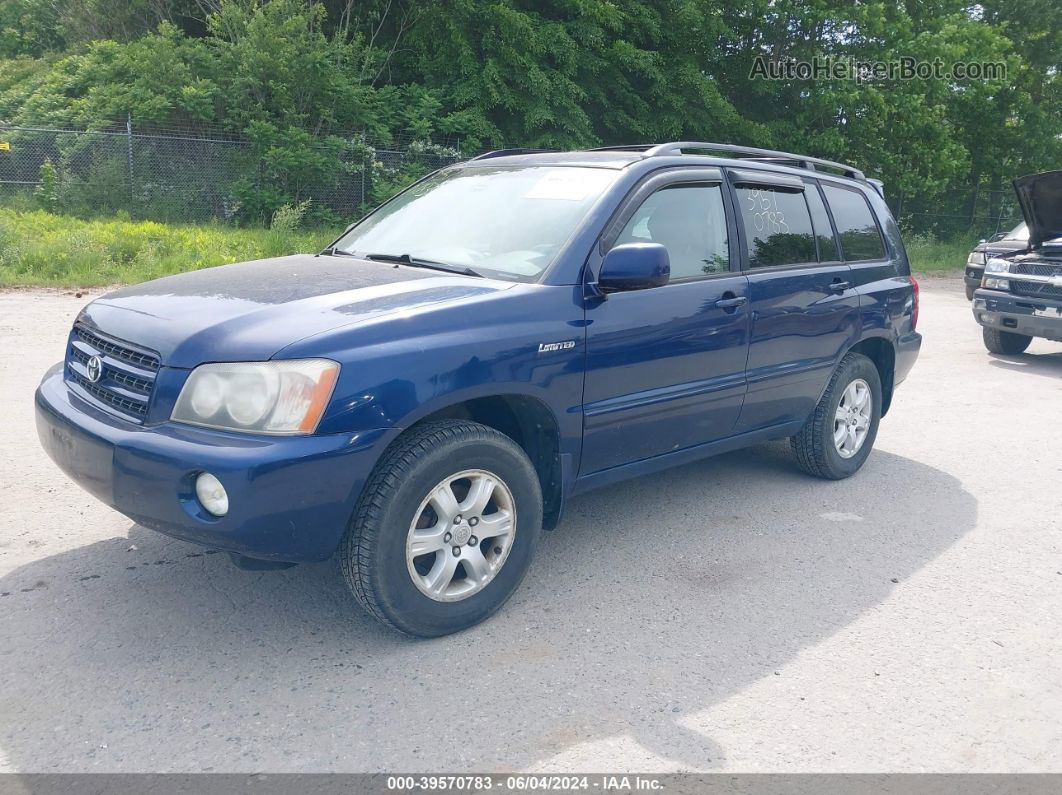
1020, 232
506, 223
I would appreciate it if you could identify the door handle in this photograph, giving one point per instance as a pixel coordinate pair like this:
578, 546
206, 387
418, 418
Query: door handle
732, 303
839, 286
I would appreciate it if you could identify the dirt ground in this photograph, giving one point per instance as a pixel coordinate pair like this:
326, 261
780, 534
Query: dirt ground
732, 614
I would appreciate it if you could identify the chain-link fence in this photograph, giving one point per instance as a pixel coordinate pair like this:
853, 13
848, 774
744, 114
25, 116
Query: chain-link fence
187, 176
981, 212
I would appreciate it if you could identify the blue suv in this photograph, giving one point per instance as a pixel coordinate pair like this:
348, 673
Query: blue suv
424, 396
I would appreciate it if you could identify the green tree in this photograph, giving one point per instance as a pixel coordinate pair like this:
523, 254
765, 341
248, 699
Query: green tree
47, 192
305, 79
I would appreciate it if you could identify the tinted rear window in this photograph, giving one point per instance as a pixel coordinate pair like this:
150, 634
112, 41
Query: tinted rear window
860, 238
777, 226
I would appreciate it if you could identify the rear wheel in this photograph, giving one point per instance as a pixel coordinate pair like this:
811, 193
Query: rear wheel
840, 433
1005, 342
445, 529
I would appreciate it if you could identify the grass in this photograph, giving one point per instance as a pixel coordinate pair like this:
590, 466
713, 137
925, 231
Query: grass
38, 248
927, 254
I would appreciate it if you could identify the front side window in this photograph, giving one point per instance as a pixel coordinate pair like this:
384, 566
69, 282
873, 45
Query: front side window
506, 223
777, 226
689, 221
860, 238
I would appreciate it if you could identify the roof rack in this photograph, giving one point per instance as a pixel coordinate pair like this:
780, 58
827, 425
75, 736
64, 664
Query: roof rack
507, 152
749, 152
624, 148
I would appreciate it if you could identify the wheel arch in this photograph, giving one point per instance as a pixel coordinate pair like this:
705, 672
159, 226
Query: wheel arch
882, 352
530, 423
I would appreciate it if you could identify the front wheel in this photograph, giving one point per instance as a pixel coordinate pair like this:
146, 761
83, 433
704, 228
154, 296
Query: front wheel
445, 529
970, 292
840, 433
1005, 342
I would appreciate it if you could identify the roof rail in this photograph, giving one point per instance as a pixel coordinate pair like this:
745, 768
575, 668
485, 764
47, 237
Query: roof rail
802, 161
507, 152
623, 148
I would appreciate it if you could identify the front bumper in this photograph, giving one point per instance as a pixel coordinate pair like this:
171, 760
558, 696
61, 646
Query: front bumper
973, 275
290, 497
1033, 317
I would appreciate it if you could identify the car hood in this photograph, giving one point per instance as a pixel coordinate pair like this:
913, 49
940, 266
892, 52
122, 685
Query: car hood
1002, 246
251, 310
1040, 196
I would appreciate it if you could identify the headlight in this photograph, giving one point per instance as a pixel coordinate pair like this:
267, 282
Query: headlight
260, 397
976, 258
992, 266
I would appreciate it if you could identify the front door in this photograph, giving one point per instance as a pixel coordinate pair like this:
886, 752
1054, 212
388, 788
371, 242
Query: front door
665, 366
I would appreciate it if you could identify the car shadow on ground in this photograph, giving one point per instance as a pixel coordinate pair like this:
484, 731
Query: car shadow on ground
1049, 364
654, 599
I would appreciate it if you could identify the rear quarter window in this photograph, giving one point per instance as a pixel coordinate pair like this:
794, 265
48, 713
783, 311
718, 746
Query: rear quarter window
824, 236
859, 235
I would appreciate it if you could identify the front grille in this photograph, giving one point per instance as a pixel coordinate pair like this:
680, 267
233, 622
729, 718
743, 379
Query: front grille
1035, 289
133, 407
117, 350
127, 374
141, 385
1036, 268
1038, 289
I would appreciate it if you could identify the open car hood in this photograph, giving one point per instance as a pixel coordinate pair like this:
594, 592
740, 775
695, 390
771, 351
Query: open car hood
1040, 196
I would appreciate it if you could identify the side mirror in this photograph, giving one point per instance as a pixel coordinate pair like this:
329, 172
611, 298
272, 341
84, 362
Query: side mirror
634, 266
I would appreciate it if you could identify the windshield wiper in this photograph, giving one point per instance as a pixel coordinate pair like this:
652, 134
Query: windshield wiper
417, 262
332, 251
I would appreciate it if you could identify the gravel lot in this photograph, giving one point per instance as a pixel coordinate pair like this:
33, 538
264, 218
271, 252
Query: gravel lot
732, 614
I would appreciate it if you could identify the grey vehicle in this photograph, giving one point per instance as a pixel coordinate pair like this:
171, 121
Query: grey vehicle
1017, 239
1021, 293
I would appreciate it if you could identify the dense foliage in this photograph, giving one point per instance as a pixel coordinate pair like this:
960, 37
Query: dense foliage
297, 75
40, 248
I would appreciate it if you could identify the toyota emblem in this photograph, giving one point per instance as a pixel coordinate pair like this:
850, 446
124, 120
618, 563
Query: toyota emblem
95, 369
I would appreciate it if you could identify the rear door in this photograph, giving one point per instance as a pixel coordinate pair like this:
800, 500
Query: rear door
665, 367
805, 310
879, 272
870, 243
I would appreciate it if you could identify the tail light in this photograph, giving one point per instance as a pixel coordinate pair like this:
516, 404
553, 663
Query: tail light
914, 312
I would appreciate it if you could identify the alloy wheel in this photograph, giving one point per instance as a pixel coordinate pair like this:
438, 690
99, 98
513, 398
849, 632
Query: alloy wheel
851, 422
461, 535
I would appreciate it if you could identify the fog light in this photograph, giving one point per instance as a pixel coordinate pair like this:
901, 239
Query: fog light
211, 494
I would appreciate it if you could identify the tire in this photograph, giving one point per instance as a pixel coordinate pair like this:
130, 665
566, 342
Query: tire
814, 446
397, 500
1004, 342
969, 292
